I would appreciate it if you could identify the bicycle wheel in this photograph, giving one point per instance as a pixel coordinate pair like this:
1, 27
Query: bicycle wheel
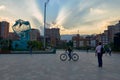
63, 57
75, 57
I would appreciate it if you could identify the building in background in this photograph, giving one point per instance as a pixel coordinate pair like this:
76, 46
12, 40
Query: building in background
80, 41
117, 41
92, 41
76, 41
104, 37
4, 29
52, 36
112, 30
13, 36
34, 35
89, 41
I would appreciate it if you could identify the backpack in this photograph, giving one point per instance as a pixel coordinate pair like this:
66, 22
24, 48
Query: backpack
102, 50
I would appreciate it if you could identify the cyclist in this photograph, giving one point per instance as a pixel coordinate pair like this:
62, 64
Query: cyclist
69, 52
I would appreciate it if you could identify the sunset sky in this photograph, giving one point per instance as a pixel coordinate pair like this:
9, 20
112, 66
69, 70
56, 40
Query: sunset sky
71, 16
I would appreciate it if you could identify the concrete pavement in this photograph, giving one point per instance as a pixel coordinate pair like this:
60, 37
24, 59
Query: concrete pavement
50, 67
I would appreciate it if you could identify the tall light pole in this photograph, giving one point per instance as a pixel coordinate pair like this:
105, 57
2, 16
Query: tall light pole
45, 22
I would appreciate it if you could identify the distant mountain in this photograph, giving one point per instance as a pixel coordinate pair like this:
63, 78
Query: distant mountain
66, 37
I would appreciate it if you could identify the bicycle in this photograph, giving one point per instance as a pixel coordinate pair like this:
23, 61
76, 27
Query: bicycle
64, 56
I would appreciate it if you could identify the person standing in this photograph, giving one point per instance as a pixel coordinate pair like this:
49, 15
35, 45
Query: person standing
110, 51
31, 47
99, 54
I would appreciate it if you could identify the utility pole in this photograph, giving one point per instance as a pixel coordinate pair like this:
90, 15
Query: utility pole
45, 4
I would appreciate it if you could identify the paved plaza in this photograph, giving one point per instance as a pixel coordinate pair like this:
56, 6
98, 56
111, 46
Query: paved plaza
50, 67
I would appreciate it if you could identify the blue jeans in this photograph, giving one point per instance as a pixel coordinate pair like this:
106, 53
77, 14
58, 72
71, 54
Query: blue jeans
100, 63
70, 56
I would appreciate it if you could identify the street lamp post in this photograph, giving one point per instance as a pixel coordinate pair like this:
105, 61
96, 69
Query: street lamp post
45, 22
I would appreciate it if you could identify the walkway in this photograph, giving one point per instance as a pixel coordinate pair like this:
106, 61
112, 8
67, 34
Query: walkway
49, 67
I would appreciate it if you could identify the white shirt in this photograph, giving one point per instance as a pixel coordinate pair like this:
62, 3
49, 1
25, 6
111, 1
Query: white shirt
98, 49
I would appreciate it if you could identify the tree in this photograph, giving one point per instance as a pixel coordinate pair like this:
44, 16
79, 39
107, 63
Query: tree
36, 45
5, 46
70, 43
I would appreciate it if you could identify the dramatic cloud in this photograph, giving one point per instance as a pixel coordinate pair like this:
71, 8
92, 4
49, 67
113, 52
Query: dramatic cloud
24, 9
96, 11
70, 16
2, 7
61, 19
34, 10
